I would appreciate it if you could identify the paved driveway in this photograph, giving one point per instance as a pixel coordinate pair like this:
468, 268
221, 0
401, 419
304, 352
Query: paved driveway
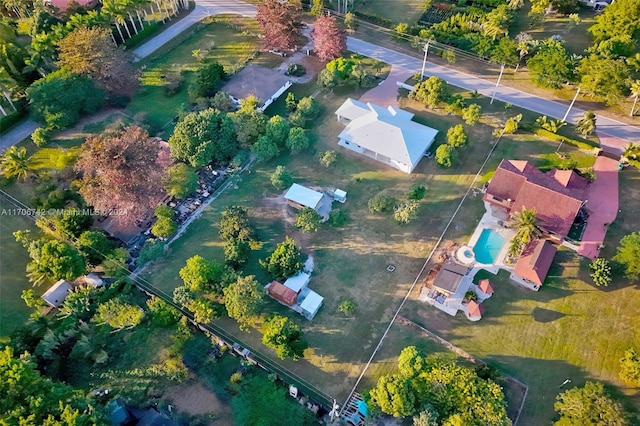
602, 204
386, 93
606, 126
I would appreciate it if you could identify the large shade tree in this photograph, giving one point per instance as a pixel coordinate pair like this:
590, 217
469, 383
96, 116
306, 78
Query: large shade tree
628, 254
453, 393
278, 21
90, 51
29, 398
329, 40
284, 336
59, 99
120, 170
551, 66
589, 405
243, 300
202, 137
285, 261
51, 259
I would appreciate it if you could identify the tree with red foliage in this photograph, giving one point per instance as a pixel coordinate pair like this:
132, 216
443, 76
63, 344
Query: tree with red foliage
329, 40
278, 21
120, 171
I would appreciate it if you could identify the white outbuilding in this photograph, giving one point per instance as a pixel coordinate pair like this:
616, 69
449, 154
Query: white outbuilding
300, 197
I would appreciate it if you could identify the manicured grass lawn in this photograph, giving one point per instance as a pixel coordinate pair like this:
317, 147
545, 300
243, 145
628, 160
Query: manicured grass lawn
227, 40
570, 329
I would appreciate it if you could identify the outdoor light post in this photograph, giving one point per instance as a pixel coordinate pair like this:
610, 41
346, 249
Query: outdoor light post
424, 61
571, 105
497, 83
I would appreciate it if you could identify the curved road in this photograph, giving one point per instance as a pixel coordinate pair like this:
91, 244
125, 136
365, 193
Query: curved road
405, 63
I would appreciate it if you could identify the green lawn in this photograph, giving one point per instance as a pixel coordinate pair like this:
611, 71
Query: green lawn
570, 329
351, 262
408, 11
13, 261
227, 40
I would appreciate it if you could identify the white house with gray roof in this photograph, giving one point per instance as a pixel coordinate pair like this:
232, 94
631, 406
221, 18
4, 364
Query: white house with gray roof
388, 135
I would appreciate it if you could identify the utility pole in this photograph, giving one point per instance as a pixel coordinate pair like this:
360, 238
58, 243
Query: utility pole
497, 83
424, 61
571, 105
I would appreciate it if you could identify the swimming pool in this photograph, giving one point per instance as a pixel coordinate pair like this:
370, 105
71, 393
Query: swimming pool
488, 246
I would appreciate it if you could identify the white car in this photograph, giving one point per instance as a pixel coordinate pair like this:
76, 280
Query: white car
596, 4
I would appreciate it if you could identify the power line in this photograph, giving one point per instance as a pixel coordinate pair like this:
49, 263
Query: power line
306, 387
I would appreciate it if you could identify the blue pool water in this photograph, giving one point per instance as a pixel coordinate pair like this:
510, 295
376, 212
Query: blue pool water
488, 246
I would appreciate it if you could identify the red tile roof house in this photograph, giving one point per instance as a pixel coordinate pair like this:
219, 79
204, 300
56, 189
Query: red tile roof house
557, 196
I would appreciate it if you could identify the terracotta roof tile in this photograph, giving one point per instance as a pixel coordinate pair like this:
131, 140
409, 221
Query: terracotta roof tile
556, 196
535, 261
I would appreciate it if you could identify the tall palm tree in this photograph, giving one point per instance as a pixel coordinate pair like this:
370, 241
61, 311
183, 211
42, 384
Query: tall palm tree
527, 225
587, 124
15, 163
112, 8
635, 92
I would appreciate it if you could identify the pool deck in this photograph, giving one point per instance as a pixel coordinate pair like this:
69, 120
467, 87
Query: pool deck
455, 302
492, 223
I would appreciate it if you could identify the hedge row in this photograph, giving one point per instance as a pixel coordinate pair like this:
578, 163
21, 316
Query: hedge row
375, 19
589, 146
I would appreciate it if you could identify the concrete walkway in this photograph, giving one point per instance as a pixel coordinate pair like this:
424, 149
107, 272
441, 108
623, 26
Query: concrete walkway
606, 126
602, 196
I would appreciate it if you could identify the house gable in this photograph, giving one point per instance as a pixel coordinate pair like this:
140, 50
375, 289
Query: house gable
385, 134
556, 196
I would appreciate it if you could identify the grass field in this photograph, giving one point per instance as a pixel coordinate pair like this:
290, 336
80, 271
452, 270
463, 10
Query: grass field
351, 261
13, 260
570, 329
227, 40
408, 11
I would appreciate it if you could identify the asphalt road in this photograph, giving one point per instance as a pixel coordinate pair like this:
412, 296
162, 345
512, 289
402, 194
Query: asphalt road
528, 101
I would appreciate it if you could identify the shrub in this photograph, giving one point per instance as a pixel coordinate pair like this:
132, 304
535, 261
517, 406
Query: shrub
456, 136
296, 70
41, 136
380, 203
471, 115
338, 218
630, 367
406, 212
589, 146
416, 192
308, 220
446, 155
328, 158
347, 307
600, 272
280, 178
